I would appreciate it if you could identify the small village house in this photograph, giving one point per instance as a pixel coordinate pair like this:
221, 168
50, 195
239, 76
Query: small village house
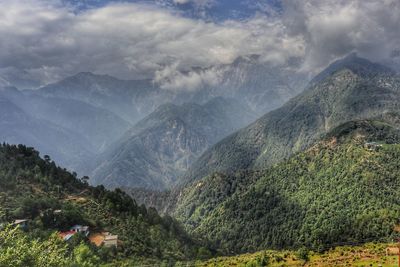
111, 241
373, 146
57, 212
80, 229
66, 235
73, 231
104, 239
23, 223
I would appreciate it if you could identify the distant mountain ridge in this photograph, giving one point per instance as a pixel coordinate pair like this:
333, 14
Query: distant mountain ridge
357, 65
161, 147
98, 125
83, 125
16, 126
101, 108
102, 91
256, 84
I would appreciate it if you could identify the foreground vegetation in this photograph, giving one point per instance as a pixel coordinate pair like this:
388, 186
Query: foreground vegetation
33, 188
18, 248
366, 255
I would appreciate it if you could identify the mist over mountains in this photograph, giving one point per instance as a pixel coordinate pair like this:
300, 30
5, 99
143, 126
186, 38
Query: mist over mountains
139, 133
144, 134
156, 151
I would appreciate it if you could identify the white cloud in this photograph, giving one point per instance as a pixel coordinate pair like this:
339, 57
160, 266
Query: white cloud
171, 78
48, 41
3, 82
197, 3
181, 2
42, 41
335, 28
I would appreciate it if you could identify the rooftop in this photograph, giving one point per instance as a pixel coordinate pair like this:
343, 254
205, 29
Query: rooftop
20, 221
110, 237
66, 235
80, 227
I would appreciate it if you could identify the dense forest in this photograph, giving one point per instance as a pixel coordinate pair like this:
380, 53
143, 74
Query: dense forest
33, 188
343, 190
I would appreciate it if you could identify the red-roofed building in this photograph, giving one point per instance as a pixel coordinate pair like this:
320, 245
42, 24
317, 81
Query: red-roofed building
66, 235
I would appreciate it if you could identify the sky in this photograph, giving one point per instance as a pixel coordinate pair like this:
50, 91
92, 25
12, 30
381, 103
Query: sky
42, 41
210, 10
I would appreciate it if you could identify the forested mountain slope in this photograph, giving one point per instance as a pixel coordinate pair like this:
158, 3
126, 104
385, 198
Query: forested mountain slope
352, 88
342, 189
33, 188
162, 146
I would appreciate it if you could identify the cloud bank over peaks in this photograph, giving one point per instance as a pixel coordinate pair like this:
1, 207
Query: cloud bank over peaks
335, 28
198, 3
171, 78
45, 40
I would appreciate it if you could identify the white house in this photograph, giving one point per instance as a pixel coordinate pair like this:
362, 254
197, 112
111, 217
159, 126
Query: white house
80, 229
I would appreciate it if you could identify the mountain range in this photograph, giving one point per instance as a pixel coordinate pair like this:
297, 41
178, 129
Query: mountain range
162, 146
70, 131
351, 88
19, 127
250, 81
101, 113
138, 134
318, 172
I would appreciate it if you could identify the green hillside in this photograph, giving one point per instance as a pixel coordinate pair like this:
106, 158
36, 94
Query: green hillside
367, 255
341, 190
350, 89
34, 189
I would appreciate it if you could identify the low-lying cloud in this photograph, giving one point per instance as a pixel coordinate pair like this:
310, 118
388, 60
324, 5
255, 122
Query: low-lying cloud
43, 41
172, 78
335, 28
